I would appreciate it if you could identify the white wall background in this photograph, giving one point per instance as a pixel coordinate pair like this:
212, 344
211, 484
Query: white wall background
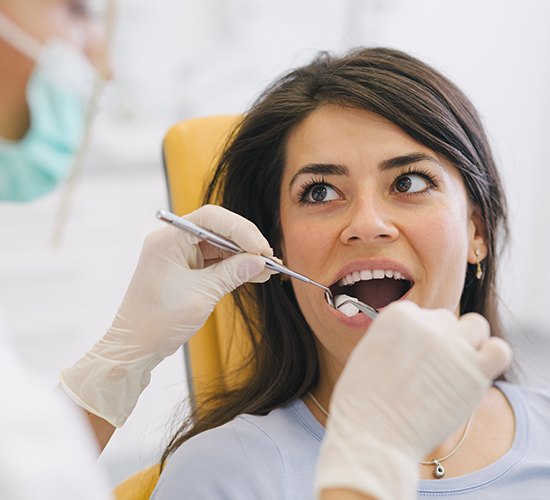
176, 59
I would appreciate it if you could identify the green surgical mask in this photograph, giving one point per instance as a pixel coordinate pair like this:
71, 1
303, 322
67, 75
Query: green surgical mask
59, 94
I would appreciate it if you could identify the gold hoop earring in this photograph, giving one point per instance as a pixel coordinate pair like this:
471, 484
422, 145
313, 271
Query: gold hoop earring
479, 270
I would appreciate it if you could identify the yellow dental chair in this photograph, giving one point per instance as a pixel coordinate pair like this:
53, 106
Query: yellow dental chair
190, 150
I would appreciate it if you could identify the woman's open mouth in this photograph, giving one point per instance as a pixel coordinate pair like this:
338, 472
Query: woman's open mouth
375, 287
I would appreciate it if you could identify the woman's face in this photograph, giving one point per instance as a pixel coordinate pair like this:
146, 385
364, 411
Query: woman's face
374, 214
76, 21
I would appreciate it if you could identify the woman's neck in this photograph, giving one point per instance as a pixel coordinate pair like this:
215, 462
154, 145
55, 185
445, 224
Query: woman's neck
330, 371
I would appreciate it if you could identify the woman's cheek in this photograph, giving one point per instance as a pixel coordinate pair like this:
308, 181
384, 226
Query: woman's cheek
305, 246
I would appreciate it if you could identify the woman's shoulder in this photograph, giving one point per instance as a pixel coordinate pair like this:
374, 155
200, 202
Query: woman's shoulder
291, 425
230, 461
529, 402
535, 394
242, 457
293, 421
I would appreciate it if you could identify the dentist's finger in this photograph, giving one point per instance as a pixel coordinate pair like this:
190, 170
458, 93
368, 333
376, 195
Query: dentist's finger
495, 356
475, 329
241, 231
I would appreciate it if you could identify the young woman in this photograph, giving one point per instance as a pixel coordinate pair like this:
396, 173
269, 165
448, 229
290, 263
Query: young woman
370, 173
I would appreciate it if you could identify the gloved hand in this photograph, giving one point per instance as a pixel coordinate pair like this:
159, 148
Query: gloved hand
177, 283
411, 381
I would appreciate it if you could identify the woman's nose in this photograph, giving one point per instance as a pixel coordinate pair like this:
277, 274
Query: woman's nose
369, 220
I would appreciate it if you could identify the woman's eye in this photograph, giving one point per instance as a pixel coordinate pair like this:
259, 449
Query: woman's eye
319, 193
411, 183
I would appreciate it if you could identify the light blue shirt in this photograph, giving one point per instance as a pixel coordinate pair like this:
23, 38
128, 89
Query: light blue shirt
275, 456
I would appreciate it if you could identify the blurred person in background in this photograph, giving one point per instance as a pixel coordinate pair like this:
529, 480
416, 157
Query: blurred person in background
52, 53
53, 59
53, 56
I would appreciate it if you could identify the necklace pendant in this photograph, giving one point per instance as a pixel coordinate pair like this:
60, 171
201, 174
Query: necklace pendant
439, 470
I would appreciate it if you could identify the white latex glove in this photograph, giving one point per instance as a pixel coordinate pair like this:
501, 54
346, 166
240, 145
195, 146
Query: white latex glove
411, 381
172, 293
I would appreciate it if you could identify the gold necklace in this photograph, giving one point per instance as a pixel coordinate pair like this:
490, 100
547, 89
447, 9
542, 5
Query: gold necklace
319, 405
439, 470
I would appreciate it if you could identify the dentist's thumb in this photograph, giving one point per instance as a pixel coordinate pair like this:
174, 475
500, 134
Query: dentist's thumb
495, 356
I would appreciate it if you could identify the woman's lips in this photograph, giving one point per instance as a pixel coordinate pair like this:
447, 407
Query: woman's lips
358, 321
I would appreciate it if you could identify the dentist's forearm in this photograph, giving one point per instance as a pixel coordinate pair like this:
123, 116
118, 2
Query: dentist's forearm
103, 430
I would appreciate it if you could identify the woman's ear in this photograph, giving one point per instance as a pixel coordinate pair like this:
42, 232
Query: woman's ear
477, 236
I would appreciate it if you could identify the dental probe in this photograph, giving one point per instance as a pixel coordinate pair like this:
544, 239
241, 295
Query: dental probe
230, 246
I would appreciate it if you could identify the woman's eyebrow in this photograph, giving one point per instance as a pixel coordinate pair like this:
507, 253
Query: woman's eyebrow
332, 169
403, 160
319, 169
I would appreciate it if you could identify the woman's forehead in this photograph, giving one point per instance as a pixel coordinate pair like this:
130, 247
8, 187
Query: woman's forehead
334, 133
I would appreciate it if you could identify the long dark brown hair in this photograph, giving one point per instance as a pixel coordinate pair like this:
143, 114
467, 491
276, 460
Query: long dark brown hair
283, 364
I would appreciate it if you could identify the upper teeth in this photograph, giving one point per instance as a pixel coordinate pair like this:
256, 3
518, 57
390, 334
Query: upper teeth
370, 274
